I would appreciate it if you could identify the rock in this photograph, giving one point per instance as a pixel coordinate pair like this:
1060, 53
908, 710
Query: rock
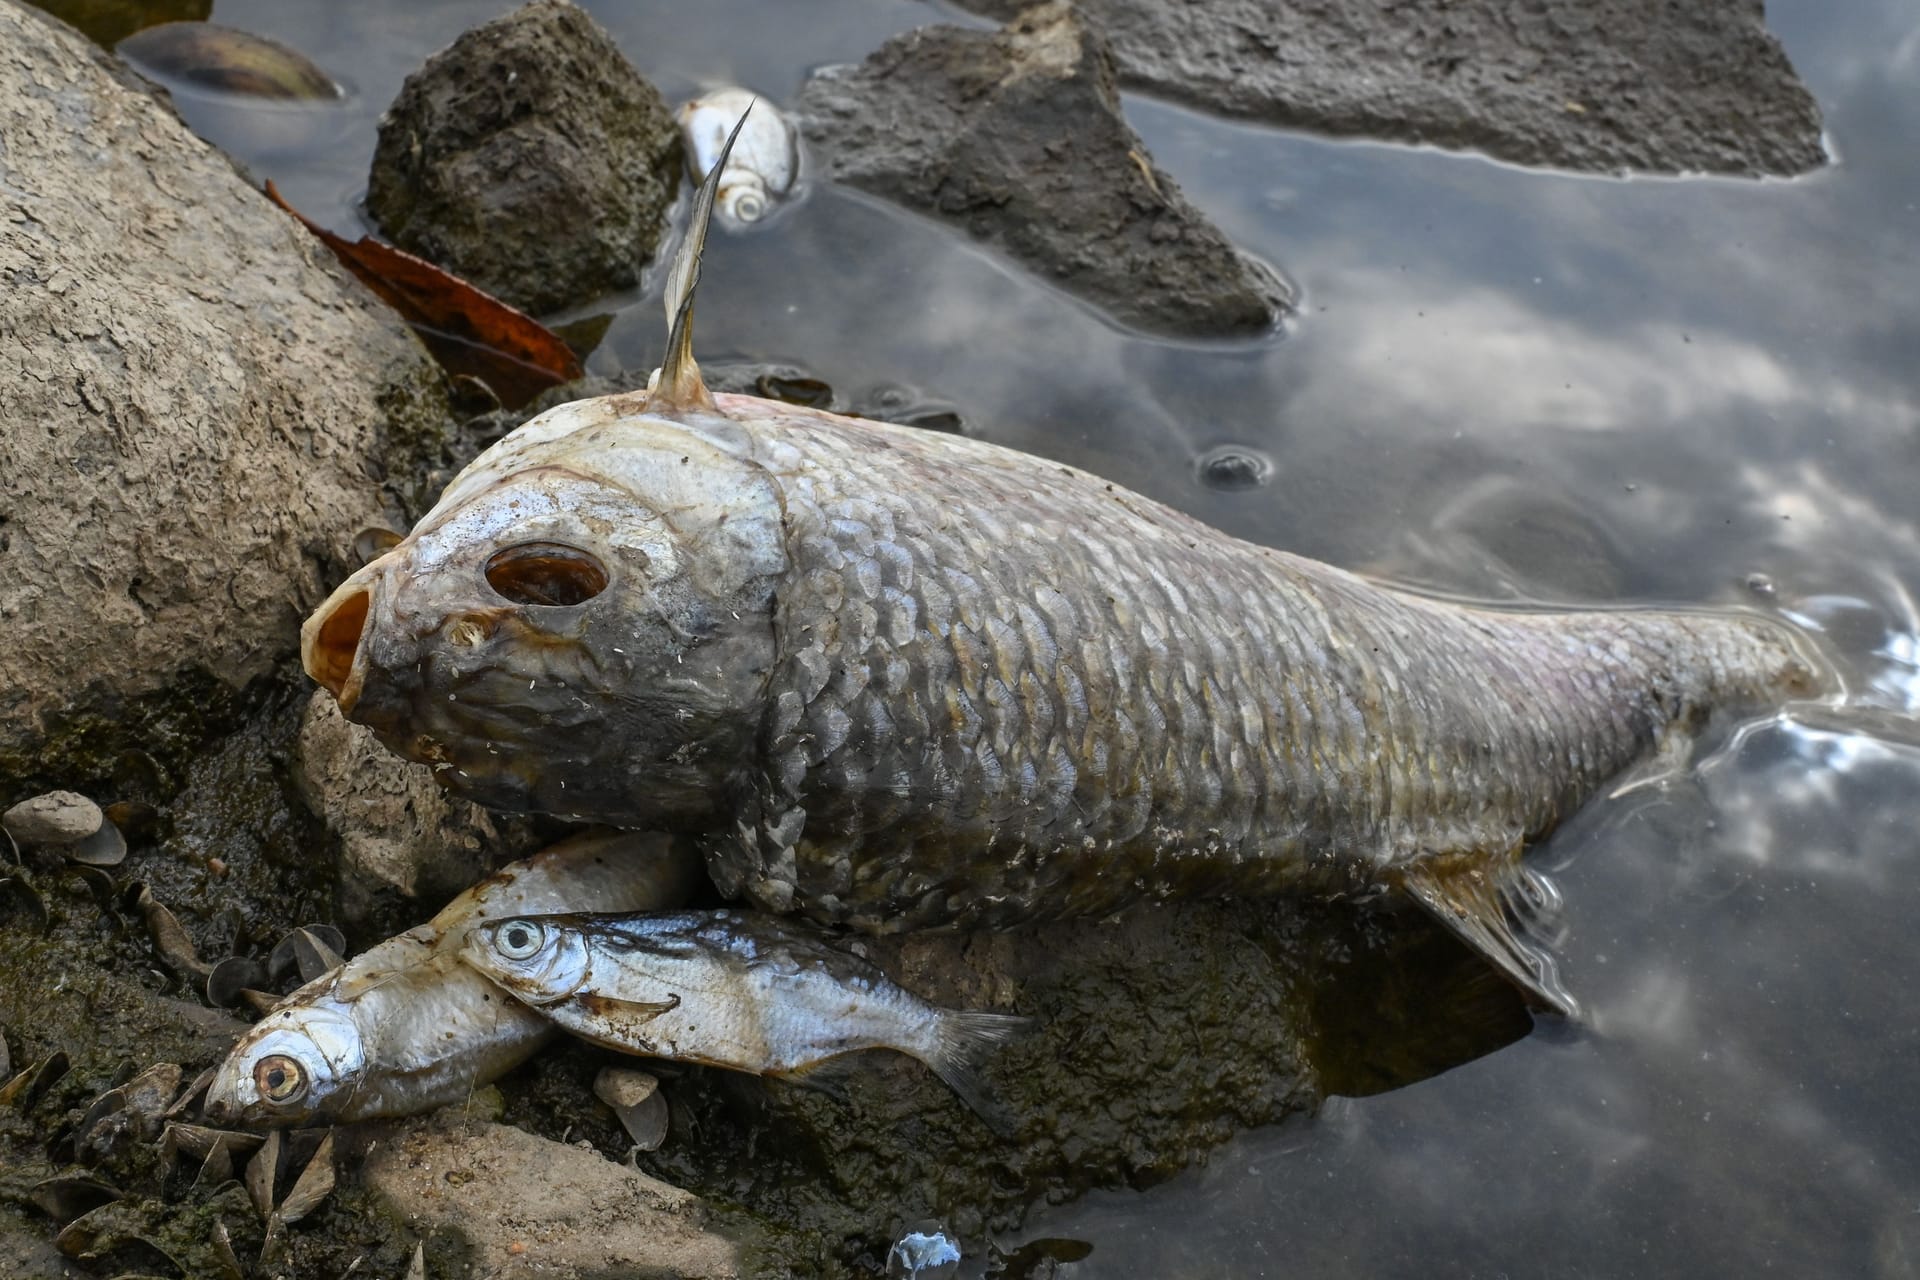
58, 817
1599, 85
528, 1206
530, 158
1017, 137
196, 406
635, 1097
1159, 1034
399, 832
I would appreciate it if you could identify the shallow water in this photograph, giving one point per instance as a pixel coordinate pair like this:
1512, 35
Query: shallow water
1502, 383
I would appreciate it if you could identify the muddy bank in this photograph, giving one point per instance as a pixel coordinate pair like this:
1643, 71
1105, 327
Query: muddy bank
1599, 85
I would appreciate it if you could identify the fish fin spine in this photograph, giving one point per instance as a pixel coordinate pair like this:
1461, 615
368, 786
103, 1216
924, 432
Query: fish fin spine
678, 385
963, 1040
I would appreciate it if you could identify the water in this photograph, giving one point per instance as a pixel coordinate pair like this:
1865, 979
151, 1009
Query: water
1507, 384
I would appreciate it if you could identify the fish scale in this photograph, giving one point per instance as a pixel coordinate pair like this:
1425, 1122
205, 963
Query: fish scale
1002, 720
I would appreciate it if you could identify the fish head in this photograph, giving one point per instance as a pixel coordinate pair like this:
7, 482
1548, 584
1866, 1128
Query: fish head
540, 961
301, 1064
582, 626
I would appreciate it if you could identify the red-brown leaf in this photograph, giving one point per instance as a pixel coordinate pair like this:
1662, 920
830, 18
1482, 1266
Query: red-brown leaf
468, 331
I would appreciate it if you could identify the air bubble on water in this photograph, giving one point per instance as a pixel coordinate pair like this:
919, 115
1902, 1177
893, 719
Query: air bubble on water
1232, 467
1760, 585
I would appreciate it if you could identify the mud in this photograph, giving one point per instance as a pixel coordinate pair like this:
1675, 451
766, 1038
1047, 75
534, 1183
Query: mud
1600, 85
1017, 137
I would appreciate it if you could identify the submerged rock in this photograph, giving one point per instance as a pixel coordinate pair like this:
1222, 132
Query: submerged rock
1016, 136
530, 158
1600, 85
193, 402
527, 1206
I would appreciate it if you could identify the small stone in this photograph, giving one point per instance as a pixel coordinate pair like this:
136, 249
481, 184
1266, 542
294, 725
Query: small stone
58, 817
636, 1098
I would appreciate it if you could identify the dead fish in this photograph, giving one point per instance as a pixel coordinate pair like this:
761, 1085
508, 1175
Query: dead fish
732, 989
759, 170
404, 1027
898, 680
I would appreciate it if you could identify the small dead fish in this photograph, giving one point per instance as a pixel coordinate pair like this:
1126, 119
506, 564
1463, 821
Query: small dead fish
759, 172
729, 989
404, 1027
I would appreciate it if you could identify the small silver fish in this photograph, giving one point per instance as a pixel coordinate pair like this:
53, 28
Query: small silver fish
760, 170
729, 989
404, 1027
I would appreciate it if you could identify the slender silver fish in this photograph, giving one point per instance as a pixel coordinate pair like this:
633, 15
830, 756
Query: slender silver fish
728, 989
404, 1027
898, 680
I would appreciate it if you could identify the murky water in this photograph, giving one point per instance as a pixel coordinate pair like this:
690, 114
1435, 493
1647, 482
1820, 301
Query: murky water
1506, 384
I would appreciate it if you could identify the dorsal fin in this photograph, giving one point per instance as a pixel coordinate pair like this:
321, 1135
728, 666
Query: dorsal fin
678, 385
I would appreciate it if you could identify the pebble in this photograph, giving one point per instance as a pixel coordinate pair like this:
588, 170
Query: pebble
58, 817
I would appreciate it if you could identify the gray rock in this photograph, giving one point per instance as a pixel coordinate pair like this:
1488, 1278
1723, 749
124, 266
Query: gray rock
1017, 137
399, 833
195, 405
1599, 85
528, 1206
58, 817
530, 158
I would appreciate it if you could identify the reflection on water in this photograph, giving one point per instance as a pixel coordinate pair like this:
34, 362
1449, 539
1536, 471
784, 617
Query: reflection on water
1506, 384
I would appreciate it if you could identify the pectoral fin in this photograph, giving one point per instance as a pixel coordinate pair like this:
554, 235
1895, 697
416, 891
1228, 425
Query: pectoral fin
628, 1013
1501, 909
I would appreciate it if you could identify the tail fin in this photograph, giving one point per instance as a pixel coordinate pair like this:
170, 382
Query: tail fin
678, 385
963, 1040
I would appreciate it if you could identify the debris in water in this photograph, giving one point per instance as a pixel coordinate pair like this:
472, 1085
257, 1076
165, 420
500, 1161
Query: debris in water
923, 1255
759, 172
226, 60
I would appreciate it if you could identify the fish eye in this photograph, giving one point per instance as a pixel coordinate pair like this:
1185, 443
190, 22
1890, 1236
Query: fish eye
280, 1079
520, 939
547, 573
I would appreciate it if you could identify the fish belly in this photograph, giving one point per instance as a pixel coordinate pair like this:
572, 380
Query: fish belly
1008, 691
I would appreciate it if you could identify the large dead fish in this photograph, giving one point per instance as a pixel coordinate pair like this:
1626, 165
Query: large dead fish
898, 680
404, 1026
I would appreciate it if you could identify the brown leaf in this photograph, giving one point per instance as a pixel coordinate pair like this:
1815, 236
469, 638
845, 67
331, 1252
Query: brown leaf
469, 332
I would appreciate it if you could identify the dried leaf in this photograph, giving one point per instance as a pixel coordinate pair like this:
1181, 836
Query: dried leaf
315, 1184
262, 1172
469, 332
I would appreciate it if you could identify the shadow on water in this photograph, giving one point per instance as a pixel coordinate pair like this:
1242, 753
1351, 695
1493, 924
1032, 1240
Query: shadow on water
1505, 384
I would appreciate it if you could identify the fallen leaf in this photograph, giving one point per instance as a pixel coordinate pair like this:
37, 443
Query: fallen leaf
468, 331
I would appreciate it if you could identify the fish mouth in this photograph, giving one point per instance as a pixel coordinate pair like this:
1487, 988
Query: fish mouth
332, 643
